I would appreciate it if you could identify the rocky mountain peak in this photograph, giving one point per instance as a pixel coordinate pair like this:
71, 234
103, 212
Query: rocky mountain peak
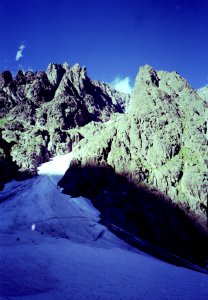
145, 90
30, 76
5, 78
55, 73
77, 77
160, 90
160, 142
148, 76
76, 69
37, 109
160, 145
20, 78
66, 66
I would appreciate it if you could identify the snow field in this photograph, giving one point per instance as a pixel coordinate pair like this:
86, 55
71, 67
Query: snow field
53, 247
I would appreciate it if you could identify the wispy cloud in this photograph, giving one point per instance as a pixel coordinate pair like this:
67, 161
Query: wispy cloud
19, 52
122, 84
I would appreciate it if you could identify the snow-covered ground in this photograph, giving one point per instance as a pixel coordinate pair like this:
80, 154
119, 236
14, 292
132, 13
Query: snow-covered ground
53, 247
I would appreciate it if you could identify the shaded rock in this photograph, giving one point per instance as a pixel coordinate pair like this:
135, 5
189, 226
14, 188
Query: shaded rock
5, 78
120, 100
78, 77
23, 174
29, 76
160, 142
77, 101
92, 98
8, 168
20, 78
63, 112
7, 93
38, 88
148, 214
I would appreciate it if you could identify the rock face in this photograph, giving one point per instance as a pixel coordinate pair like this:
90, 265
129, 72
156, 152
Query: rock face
8, 168
160, 143
41, 112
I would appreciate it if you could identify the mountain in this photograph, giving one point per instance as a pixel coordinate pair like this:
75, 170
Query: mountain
141, 160
161, 142
39, 114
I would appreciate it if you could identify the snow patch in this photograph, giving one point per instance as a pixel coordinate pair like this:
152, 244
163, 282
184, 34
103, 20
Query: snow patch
57, 166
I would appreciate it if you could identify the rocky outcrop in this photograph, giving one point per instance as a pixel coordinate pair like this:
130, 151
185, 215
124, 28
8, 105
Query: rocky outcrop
7, 93
160, 143
146, 170
39, 110
55, 72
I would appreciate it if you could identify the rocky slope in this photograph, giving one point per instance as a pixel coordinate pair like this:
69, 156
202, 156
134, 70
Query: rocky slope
160, 145
39, 112
161, 142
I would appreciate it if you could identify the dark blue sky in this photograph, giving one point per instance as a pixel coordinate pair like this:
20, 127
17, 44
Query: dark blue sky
111, 37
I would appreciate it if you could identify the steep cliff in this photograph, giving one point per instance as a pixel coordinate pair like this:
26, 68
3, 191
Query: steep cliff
146, 170
160, 143
40, 112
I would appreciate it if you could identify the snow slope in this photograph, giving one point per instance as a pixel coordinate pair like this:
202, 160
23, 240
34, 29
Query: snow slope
53, 247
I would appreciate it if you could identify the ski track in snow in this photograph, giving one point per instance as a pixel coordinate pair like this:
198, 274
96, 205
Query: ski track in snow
53, 247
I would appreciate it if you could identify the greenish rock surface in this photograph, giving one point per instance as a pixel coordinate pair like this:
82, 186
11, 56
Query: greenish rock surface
41, 113
160, 143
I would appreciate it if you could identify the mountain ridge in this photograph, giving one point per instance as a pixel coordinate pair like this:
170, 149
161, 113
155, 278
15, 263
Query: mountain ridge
156, 139
161, 141
38, 109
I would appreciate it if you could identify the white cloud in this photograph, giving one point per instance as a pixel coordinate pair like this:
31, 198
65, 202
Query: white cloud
203, 92
19, 52
122, 85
